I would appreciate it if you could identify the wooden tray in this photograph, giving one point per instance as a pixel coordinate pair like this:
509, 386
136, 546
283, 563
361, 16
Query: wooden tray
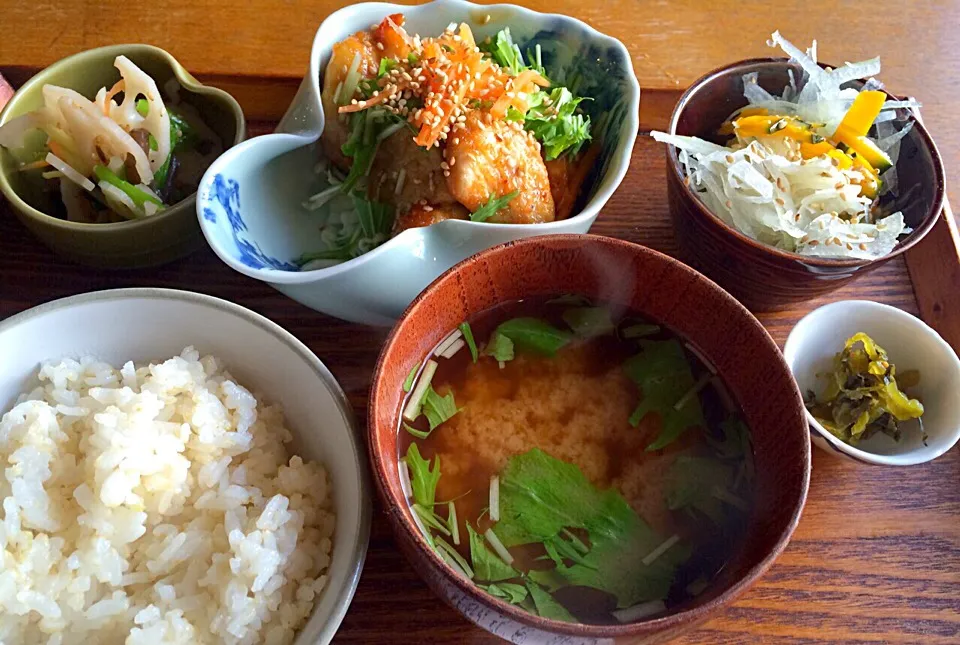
876, 557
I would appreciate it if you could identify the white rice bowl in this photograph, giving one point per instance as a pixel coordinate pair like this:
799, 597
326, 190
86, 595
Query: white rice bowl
155, 504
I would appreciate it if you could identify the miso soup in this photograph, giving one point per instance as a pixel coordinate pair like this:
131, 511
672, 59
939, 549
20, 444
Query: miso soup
576, 460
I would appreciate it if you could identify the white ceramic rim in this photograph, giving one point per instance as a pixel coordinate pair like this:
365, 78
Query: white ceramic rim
362, 528
620, 161
845, 448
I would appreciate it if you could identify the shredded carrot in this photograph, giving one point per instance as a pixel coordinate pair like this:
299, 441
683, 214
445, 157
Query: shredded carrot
33, 165
57, 149
116, 89
363, 105
442, 76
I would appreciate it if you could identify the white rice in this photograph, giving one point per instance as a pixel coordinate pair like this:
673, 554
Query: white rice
155, 505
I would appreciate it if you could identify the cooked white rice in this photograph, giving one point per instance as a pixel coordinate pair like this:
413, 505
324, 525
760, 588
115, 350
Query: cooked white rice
152, 505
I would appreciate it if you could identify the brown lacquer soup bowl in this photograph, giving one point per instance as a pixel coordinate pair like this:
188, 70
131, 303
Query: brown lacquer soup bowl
761, 276
663, 290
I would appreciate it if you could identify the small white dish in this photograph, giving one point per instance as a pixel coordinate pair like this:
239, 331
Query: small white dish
250, 200
911, 345
155, 324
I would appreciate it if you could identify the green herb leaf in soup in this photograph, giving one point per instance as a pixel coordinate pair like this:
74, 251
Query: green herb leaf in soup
467, 332
703, 484
487, 565
534, 335
662, 372
589, 322
508, 591
423, 479
500, 348
438, 408
542, 498
546, 606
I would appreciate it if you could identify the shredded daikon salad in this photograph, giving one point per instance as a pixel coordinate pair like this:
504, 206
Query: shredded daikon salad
800, 172
123, 155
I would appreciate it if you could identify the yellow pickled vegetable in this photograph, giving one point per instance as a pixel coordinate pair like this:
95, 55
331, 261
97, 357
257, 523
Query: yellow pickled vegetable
862, 396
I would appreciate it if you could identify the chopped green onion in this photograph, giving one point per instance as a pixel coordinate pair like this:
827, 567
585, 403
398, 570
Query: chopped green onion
693, 391
411, 377
639, 331
412, 410
495, 498
452, 522
448, 341
454, 347
138, 196
660, 550
635, 613
430, 519
498, 547
419, 434
492, 207
726, 496
452, 557
468, 336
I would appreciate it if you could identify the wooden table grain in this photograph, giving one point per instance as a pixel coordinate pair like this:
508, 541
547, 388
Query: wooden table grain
876, 557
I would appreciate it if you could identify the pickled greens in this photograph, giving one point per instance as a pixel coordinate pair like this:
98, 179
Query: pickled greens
862, 396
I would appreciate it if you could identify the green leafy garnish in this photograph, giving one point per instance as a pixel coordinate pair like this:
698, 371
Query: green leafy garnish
411, 377
662, 372
423, 479
552, 116
438, 408
367, 129
589, 322
509, 591
700, 483
464, 328
542, 499
419, 434
491, 208
558, 125
535, 335
504, 51
375, 220
545, 604
500, 348
386, 64
487, 565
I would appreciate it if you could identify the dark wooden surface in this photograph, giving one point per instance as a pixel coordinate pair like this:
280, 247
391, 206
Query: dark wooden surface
876, 557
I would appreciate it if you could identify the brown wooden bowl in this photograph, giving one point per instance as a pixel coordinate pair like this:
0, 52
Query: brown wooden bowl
662, 289
761, 276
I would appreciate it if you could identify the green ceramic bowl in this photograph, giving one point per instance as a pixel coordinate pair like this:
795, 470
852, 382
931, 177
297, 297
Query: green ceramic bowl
166, 236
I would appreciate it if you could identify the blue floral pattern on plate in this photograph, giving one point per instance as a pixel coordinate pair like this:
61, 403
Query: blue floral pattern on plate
225, 196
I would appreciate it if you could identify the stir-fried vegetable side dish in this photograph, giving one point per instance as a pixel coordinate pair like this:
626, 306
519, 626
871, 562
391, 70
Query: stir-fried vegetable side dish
863, 394
421, 130
124, 155
802, 171
575, 461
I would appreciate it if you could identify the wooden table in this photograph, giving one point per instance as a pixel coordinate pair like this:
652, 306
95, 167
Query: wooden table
876, 557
